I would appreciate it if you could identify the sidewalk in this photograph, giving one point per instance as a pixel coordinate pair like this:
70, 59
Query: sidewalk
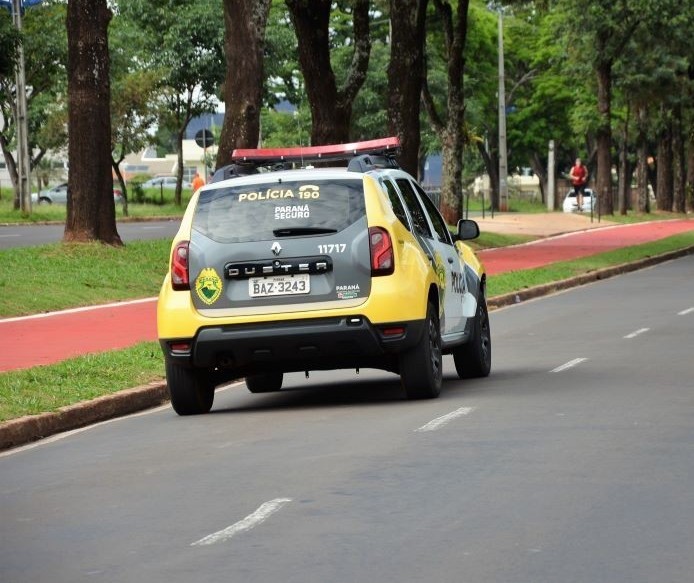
49, 338
539, 224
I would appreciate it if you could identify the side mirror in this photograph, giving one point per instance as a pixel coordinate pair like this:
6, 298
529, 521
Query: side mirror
468, 229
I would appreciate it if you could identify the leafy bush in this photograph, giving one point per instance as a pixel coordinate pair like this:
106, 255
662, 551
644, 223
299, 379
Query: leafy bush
137, 193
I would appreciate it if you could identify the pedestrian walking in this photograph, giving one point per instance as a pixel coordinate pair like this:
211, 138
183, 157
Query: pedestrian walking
579, 179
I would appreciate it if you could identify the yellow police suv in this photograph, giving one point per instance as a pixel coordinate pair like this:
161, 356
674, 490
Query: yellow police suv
278, 269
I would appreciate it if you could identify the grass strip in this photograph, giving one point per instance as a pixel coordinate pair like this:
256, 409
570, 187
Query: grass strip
43, 389
42, 213
58, 276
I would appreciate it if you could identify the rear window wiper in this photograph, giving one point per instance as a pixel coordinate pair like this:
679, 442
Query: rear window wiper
294, 231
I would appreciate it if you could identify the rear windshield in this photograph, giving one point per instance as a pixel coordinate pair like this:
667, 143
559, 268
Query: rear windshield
273, 209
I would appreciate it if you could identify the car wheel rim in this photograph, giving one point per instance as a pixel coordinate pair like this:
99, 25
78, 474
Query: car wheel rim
434, 349
485, 336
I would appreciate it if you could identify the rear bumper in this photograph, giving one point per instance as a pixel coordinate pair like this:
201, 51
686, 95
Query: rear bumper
313, 344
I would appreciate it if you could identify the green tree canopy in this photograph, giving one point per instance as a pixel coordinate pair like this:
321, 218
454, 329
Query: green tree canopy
183, 41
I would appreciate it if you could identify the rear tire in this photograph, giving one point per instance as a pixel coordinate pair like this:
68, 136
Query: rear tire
421, 371
474, 359
265, 382
191, 390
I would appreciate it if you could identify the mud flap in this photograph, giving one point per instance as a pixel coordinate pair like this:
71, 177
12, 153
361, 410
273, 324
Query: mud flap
469, 305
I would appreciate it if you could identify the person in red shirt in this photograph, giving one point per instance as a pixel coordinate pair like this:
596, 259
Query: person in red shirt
579, 179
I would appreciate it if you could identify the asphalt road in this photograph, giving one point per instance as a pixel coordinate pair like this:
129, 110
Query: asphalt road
572, 462
30, 235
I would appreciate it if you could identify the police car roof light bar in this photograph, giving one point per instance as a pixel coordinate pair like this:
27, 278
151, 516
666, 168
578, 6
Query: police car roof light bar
264, 156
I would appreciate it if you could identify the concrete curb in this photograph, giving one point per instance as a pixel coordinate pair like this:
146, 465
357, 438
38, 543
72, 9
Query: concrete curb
30, 428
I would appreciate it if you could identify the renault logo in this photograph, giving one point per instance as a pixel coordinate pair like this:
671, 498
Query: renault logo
276, 248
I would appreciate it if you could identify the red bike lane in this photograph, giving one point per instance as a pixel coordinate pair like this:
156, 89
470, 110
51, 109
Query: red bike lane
56, 336
579, 244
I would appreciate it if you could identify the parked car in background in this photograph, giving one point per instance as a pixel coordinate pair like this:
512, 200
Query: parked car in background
164, 182
571, 203
54, 195
58, 195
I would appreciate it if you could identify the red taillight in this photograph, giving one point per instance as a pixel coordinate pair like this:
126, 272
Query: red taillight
179, 266
180, 347
382, 259
394, 331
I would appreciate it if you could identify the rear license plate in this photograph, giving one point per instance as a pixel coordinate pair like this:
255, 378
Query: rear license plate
279, 285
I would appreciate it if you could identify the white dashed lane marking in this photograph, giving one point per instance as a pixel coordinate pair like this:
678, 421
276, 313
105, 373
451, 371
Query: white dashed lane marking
441, 421
251, 521
569, 364
685, 312
636, 333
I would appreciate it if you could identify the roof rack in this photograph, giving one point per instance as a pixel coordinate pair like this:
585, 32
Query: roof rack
362, 157
268, 156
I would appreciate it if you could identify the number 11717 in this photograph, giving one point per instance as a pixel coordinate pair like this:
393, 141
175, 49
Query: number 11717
332, 248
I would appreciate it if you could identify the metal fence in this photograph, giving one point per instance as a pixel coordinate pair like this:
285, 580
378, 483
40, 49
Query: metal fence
434, 193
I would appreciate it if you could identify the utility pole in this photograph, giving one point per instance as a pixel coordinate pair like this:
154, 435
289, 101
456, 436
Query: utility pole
503, 157
551, 182
21, 119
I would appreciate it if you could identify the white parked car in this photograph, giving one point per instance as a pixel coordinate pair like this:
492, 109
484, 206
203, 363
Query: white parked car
58, 195
571, 203
163, 182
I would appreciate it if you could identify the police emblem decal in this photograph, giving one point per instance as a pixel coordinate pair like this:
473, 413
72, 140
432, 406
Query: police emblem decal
208, 286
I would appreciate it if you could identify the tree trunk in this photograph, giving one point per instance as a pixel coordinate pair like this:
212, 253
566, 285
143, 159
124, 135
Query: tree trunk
91, 212
405, 77
11, 169
493, 172
540, 169
451, 179
245, 22
689, 188
664, 184
624, 172
642, 202
311, 24
121, 181
331, 107
451, 133
178, 193
604, 138
679, 163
